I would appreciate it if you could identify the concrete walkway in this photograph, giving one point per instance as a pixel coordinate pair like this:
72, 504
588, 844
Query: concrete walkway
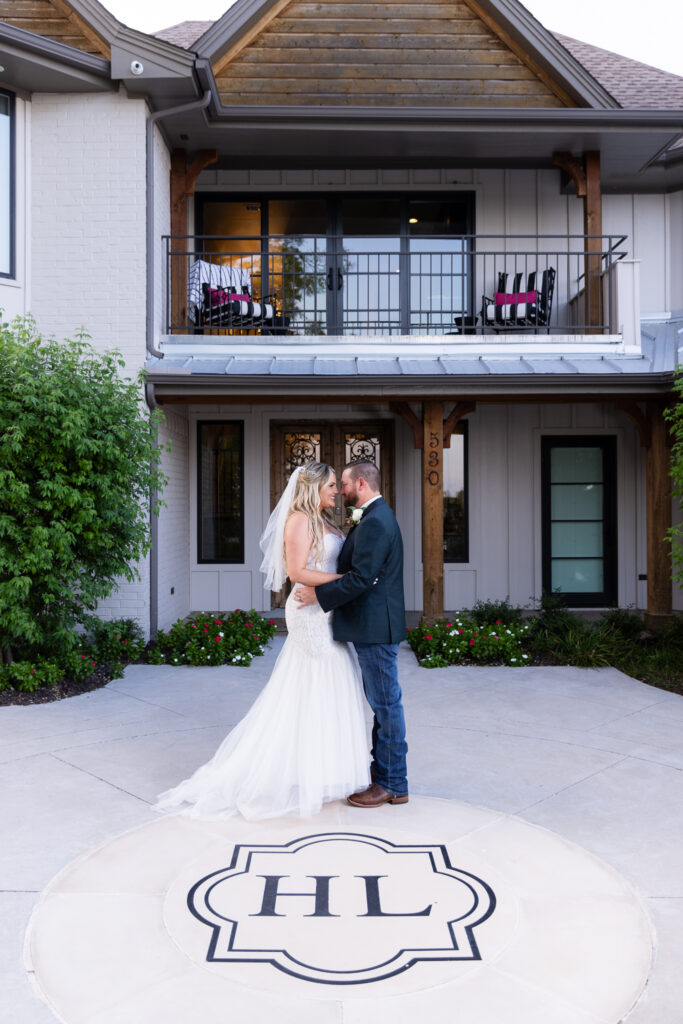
590, 755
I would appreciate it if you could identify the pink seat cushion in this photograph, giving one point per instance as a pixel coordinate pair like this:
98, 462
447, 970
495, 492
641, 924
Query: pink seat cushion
514, 298
218, 296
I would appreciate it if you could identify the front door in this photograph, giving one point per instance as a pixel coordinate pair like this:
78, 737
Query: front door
296, 444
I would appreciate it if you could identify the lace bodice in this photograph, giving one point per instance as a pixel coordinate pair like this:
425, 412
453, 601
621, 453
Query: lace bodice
310, 628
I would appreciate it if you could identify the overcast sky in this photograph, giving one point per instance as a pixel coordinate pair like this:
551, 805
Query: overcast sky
650, 32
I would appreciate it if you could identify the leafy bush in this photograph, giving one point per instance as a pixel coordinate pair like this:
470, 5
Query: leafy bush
117, 640
464, 639
28, 676
78, 459
497, 611
228, 638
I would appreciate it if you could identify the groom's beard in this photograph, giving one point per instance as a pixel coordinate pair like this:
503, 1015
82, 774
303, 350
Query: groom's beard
351, 498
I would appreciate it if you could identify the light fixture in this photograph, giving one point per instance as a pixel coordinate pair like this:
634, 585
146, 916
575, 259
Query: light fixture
137, 67
413, 220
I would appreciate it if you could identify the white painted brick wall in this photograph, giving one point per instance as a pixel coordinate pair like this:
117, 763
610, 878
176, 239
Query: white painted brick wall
88, 241
88, 219
174, 524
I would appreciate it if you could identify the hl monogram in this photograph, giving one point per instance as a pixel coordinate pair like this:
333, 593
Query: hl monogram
321, 896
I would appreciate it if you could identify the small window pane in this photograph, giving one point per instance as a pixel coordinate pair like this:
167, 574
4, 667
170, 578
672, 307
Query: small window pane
576, 465
576, 501
220, 493
577, 540
5, 184
455, 528
578, 576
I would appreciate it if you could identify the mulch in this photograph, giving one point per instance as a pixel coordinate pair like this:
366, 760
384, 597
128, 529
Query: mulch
65, 688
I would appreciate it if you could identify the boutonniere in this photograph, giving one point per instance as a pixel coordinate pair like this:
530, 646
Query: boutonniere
354, 516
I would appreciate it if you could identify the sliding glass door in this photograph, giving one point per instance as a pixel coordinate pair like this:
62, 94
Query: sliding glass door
351, 264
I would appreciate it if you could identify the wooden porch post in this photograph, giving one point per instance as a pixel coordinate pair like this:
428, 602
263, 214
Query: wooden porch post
183, 181
658, 486
432, 511
592, 225
586, 178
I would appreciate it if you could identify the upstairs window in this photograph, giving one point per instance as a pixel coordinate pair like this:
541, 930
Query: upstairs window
6, 184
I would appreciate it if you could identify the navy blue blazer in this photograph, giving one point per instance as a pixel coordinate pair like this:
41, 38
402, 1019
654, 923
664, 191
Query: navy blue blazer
368, 600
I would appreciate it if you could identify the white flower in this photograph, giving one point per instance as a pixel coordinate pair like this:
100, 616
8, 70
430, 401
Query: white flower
357, 515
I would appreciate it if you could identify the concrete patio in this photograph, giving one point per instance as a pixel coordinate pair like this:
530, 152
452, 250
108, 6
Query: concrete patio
593, 756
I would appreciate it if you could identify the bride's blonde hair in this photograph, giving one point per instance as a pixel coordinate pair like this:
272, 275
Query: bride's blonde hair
306, 499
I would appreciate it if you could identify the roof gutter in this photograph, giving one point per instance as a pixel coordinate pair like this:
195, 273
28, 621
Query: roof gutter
149, 388
158, 115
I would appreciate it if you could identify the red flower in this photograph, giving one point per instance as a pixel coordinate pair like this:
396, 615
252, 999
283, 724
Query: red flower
33, 671
449, 624
124, 641
271, 622
92, 664
82, 655
250, 624
498, 622
475, 634
459, 631
218, 639
471, 643
428, 636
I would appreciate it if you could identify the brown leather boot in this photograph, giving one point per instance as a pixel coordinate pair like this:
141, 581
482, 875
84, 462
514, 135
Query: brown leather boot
375, 796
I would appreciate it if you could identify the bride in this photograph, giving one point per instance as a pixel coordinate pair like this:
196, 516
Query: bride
303, 742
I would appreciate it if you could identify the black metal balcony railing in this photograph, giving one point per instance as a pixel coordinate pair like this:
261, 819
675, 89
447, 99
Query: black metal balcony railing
466, 284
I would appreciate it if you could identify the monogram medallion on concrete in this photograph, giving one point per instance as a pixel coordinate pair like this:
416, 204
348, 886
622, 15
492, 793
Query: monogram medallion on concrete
387, 906
396, 914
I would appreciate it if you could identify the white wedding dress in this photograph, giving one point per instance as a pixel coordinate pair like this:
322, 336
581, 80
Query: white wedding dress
302, 743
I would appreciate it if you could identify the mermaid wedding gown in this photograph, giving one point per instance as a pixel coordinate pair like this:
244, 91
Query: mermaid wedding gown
302, 743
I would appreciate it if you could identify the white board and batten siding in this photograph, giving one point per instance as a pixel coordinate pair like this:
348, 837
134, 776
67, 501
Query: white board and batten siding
510, 203
504, 505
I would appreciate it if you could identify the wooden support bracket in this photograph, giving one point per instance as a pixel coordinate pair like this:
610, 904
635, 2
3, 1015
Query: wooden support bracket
459, 410
638, 417
403, 410
574, 169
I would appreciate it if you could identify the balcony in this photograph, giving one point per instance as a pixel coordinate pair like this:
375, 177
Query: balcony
457, 287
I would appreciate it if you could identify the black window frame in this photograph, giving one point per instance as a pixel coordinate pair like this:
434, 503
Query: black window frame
11, 273
219, 423
462, 430
608, 596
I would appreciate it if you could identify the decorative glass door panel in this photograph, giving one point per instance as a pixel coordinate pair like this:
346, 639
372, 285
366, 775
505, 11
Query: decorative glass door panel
295, 445
579, 557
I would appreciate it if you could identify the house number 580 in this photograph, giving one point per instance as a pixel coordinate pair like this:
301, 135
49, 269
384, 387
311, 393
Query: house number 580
433, 460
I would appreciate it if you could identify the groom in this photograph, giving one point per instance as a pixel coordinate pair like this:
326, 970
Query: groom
369, 611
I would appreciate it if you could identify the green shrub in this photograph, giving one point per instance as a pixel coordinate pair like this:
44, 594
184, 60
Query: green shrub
496, 611
117, 640
227, 638
28, 676
463, 639
78, 460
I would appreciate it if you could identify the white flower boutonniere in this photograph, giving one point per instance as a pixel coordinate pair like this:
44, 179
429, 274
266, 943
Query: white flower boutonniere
354, 517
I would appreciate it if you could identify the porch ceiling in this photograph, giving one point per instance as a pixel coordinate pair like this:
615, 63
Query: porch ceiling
630, 142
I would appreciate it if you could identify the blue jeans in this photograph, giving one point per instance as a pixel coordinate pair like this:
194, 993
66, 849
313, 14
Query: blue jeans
379, 665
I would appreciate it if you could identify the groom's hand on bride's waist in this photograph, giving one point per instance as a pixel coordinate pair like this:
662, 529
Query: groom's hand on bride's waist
305, 595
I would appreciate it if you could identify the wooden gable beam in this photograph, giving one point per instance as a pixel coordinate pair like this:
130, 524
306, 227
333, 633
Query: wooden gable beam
99, 44
249, 36
521, 53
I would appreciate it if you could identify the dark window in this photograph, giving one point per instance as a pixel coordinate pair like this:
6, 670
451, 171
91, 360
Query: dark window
579, 519
6, 184
220, 513
455, 518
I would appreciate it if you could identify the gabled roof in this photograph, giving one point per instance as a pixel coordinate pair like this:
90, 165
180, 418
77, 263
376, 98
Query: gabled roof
509, 25
635, 86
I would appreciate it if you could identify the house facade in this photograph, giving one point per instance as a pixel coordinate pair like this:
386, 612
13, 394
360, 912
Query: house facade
437, 235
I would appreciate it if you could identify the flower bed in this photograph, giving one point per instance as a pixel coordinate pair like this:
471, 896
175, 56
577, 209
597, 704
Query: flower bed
464, 639
99, 655
230, 638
